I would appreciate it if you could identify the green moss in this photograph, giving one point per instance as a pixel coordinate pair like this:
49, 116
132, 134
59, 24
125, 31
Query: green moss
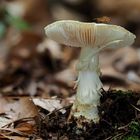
134, 134
123, 93
131, 138
135, 128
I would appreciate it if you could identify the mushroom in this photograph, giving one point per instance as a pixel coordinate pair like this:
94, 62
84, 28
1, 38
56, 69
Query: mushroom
92, 38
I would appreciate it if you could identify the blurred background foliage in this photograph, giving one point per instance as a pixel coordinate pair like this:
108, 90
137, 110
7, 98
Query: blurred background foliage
29, 60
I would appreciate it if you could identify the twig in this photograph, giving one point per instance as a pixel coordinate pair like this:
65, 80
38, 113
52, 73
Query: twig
122, 127
118, 135
15, 131
135, 108
25, 119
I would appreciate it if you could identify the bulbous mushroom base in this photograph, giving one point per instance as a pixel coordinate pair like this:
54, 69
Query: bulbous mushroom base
85, 113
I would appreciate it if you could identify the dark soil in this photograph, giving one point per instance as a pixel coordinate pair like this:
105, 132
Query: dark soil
120, 120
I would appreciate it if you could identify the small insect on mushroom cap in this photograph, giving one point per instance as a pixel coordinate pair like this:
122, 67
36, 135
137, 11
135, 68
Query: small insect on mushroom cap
82, 34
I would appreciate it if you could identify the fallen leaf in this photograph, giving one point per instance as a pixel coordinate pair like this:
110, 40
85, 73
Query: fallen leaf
4, 121
49, 104
16, 108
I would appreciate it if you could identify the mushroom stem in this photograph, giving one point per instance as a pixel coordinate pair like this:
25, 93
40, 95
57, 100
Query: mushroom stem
89, 85
89, 60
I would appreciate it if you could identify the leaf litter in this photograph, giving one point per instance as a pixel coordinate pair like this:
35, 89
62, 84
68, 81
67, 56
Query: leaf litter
33, 68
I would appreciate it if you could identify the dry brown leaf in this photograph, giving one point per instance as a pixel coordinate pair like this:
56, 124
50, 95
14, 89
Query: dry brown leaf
13, 137
17, 108
49, 104
25, 127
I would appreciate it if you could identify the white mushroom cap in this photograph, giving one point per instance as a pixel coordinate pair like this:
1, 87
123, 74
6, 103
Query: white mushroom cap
82, 34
